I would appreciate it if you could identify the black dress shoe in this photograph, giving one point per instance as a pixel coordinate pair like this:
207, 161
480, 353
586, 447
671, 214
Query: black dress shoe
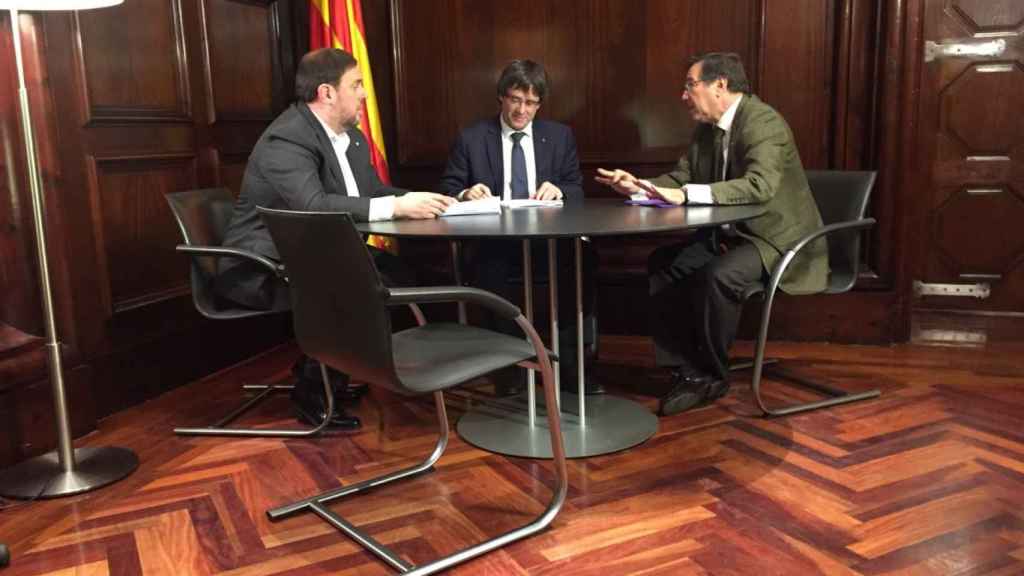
717, 389
339, 420
690, 388
309, 405
685, 394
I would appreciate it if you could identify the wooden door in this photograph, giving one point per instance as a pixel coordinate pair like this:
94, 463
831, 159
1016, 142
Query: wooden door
972, 149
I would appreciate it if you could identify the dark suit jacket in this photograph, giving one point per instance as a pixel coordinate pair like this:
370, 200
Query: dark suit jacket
293, 167
764, 168
476, 159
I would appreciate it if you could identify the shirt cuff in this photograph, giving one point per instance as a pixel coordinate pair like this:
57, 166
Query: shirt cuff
382, 208
699, 194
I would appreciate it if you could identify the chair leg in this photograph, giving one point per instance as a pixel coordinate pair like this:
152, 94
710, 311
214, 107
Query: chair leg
218, 428
317, 504
837, 396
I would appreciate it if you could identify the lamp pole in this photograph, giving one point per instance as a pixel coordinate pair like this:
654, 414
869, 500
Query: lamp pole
67, 470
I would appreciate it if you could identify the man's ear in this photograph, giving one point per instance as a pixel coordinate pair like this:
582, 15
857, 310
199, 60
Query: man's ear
323, 92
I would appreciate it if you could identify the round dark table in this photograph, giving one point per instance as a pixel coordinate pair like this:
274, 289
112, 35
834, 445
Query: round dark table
593, 425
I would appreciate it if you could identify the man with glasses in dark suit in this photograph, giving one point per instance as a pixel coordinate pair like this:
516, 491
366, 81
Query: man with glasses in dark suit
742, 152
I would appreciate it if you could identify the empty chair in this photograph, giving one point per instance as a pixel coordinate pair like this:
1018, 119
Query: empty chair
202, 217
842, 199
341, 319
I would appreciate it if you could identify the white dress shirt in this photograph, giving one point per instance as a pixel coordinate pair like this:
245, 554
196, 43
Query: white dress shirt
701, 193
506, 158
382, 208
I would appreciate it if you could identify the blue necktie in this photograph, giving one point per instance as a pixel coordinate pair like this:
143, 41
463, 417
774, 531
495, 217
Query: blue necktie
518, 184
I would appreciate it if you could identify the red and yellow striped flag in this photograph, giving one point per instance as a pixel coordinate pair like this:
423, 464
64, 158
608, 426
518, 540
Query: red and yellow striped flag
339, 24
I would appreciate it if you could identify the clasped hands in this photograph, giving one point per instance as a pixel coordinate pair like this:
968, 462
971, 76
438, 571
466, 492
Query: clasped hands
546, 191
626, 184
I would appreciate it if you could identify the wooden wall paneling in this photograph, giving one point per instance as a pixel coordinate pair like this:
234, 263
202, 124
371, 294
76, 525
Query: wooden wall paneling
135, 236
421, 136
854, 113
856, 84
122, 149
38, 80
150, 82
615, 69
20, 305
796, 72
248, 78
239, 60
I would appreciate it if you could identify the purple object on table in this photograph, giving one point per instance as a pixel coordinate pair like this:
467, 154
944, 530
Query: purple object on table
656, 202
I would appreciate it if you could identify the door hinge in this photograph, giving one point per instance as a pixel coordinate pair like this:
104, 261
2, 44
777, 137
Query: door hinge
968, 290
933, 50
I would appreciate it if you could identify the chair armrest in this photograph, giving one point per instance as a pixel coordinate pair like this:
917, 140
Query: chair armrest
219, 252
787, 258
429, 294
826, 230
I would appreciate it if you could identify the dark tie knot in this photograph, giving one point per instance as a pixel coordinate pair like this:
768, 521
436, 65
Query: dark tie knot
516, 137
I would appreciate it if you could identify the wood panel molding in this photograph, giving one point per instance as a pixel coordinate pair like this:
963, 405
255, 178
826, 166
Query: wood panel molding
134, 230
240, 60
150, 88
615, 69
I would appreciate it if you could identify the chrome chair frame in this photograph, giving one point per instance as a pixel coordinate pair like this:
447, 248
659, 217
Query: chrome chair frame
862, 182
215, 204
292, 233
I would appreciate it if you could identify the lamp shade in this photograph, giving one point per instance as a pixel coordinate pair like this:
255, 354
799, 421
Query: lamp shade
34, 5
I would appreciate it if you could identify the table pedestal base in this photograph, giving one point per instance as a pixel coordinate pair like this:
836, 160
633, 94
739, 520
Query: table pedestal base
612, 424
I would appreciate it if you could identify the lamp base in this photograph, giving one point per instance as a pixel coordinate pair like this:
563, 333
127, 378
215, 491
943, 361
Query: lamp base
44, 477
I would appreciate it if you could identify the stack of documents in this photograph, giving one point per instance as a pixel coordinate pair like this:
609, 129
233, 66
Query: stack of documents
531, 203
489, 205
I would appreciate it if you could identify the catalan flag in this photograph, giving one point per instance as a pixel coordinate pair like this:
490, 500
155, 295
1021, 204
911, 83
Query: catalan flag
339, 24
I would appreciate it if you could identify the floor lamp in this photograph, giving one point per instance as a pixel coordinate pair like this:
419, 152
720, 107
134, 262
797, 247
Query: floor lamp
67, 470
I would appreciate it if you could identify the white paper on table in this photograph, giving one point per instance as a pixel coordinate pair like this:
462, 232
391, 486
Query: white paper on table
531, 203
483, 206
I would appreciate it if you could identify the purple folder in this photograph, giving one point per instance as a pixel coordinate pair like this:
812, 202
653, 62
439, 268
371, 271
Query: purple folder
656, 202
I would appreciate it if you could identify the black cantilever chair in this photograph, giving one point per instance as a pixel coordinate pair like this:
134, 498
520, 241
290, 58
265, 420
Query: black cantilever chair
339, 308
203, 217
842, 199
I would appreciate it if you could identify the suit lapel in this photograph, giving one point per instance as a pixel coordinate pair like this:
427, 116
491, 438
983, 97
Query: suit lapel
494, 157
326, 149
354, 154
734, 131
541, 152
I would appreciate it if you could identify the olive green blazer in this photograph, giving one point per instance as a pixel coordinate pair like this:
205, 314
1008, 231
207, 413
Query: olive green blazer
764, 168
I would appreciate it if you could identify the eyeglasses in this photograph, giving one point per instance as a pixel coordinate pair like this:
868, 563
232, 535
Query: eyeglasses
517, 101
690, 85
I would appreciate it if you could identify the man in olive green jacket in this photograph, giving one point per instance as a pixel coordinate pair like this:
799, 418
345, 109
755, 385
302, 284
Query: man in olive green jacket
742, 153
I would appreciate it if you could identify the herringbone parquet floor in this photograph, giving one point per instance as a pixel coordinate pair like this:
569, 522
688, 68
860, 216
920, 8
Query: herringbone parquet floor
928, 479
